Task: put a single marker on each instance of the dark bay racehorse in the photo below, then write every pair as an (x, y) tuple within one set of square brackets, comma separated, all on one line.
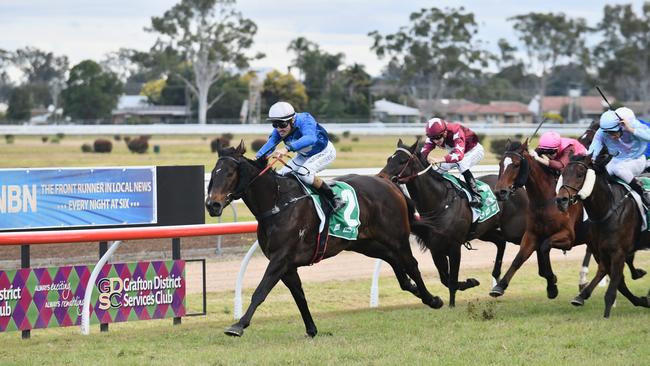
[(547, 227), (288, 227), (440, 204), (616, 224), (585, 139)]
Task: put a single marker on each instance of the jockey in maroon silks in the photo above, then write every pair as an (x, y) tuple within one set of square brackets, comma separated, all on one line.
[(464, 151), (554, 150)]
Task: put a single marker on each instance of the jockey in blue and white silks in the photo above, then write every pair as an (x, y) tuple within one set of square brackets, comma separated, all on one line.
[(626, 139), (301, 134)]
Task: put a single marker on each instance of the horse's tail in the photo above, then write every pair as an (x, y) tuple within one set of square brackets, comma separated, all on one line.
[(424, 231)]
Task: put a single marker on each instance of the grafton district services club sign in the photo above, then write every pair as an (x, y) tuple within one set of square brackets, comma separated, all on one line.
[(53, 297)]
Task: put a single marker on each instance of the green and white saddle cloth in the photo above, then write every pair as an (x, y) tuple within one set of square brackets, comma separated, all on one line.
[(490, 205), (343, 223)]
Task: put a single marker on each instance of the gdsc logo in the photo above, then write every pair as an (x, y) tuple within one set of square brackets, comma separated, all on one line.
[(110, 293)]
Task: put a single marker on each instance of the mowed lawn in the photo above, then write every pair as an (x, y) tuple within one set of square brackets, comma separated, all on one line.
[(521, 328)]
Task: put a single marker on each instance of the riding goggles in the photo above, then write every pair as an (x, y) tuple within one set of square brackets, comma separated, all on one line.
[(280, 124), (542, 151), (613, 132), (438, 136)]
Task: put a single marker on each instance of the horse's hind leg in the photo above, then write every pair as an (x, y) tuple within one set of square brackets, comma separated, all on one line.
[(635, 300), (293, 283), (442, 265), (498, 240), (586, 291), (545, 270), (616, 263), (636, 272), (582, 282), (410, 265), (275, 270)]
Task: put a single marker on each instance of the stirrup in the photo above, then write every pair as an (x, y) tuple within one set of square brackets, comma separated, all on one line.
[(337, 203)]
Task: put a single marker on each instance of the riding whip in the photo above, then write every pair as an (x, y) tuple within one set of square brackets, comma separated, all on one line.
[(607, 101)]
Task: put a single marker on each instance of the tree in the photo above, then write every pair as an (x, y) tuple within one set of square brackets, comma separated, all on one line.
[(283, 87), (436, 50), (622, 57), (20, 105), (91, 92), (209, 36), (301, 45), (318, 68), (44, 71), (356, 82), (548, 39)]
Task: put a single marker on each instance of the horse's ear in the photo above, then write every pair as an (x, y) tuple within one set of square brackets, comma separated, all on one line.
[(525, 144), (399, 142), (241, 149), (508, 142)]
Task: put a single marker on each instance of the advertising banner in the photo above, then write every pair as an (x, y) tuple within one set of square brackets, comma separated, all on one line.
[(77, 197), (53, 297)]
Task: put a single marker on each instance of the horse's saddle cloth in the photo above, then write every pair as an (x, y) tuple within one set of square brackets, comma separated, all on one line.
[(343, 223), (645, 182), (490, 206)]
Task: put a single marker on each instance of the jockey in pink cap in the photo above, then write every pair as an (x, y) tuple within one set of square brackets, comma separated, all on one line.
[(463, 146), (554, 150)]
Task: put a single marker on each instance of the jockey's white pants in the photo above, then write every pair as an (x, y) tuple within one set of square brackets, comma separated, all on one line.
[(306, 168), (470, 159), (626, 169)]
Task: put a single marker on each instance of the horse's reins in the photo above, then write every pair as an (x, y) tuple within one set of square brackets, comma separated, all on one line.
[(401, 179), (575, 197)]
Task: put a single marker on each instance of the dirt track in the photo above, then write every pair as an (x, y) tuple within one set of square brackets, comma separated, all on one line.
[(222, 274)]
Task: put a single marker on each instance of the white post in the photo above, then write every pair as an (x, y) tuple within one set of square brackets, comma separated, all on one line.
[(240, 279), (85, 314), (374, 288)]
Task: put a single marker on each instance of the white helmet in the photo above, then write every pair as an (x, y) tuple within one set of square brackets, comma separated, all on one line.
[(626, 114), (281, 111)]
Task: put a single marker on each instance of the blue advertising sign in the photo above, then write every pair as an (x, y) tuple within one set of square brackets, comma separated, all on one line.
[(77, 197)]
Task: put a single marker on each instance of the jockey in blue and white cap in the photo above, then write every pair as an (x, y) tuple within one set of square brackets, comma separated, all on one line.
[(301, 134), (626, 139)]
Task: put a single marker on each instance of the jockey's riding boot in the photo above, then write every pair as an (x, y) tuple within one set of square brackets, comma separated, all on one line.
[(636, 185), (334, 201), (471, 182)]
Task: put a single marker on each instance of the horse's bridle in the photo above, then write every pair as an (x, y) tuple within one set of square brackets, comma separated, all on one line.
[(575, 197), (520, 180), (241, 188), (399, 178)]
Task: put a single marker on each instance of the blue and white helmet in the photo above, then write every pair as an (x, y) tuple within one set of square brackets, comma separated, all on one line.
[(609, 121)]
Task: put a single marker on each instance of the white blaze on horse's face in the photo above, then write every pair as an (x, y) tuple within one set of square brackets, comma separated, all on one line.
[(506, 161)]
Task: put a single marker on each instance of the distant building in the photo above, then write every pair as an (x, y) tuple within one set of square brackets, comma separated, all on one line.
[(443, 108), (591, 107), (390, 112), (494, 112), (137, 109)]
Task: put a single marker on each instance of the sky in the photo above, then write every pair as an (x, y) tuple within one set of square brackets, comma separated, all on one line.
[(89, 29)]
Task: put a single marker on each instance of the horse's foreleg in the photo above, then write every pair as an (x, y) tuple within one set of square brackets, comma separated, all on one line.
[(526, 248), (293, 283), (454, 269), (617, 262), (546, 270), (442, 265), (498, 240), (582, 282), (635, 300), (636, 272), (275, 270), (410, 265), (586, 291)]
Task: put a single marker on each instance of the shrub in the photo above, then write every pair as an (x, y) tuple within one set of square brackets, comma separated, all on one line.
[(257, 144), (138, 145), (44, 139), (102, 146), (9, 139), (346, 134), (60, 135), (227, 135), (127, 139), (346, 148), (219, 141), (86, 148), (355, 139), (334, 138), (519, 136), (498, 146), (117, 137), (54, 140)]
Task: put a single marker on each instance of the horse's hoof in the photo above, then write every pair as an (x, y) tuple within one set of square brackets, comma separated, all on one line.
[(311, 333), (472, 282), (497, 291), (437, 302), (551, 292), (235, 331), (578, 301), (638, 273)]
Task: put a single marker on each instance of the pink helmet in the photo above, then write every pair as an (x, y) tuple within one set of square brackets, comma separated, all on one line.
[(550, 140), (435, 127)]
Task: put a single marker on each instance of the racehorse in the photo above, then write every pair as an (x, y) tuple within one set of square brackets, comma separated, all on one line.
[(616, 224), (585, 139), (547, 227), (439, 203), (288, 227)]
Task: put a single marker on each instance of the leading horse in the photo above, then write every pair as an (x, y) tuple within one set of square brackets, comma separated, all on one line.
[(440, 204), (616, 219), (288, 226), (547, 227)]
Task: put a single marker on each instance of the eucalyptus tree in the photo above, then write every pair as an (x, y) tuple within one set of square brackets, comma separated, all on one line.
[(91, 92), (623, 56), (437, 49), (43, 71), (210, 36), (548, 39)]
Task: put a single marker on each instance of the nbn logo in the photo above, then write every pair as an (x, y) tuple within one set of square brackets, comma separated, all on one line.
[(16, 198)]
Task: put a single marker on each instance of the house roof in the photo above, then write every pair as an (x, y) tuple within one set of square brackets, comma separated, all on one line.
[(394, 109), (153, 110), (589, 104), (129, 101), (495, 107)]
